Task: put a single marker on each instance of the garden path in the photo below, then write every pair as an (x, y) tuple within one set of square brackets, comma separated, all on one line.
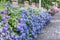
[(52, 30)]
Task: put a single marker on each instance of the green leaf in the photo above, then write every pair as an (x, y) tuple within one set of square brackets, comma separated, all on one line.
[(0, 17)]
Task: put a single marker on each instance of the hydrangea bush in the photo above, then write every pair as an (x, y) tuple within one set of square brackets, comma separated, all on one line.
[(22, 23)]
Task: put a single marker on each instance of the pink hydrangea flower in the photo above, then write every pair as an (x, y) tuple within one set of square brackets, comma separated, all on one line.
[(54, 10)]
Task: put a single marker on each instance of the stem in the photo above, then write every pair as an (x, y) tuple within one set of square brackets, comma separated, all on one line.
[(39, 4)]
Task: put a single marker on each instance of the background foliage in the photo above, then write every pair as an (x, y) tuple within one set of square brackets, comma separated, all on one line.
[(45, 3)]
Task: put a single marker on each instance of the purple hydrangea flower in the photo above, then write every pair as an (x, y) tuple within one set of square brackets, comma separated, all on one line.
[(5, 11)]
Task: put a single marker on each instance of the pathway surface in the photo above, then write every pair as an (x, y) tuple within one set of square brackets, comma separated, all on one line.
[(52, 30)]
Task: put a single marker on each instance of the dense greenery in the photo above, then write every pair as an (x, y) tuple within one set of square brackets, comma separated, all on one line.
[(46, 3)]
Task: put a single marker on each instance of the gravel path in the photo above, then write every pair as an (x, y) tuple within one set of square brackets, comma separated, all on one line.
[(52, 30)]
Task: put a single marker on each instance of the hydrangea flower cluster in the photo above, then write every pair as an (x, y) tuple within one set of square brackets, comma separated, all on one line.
[(22, 24)]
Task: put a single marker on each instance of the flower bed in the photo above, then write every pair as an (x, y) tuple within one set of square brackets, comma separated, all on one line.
[(21, 23)]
